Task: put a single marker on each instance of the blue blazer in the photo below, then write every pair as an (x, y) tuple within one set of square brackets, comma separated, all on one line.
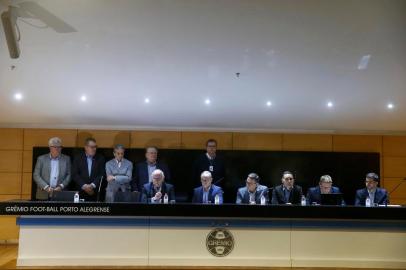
[(213, 191), (381, 196), (313, 195), (141, 176), (148, 192)]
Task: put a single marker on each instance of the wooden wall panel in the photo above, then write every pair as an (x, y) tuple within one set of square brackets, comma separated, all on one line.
[(104, 138), (11, 161), (9, 197), (357, 143), (257, 141), (307, 142), (10, 183), (394, 167), (396, 187), (197, 140), (27, 161), (11, 139), (8, 228), (160, 139), (40, 137), (26, 184), (394, 146)]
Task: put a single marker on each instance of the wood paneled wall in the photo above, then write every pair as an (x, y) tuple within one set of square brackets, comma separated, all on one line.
[(16, 153)]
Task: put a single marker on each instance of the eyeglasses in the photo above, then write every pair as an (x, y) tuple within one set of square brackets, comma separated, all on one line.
[(56, 147), (92, 146)]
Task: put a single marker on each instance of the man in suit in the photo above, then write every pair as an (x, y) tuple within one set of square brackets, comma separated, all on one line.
[(211, 162), (377, 195), (87, 170), (143, 170), (325, 187), (207, 192), (118, 173), (288, 192), (154, 192), (52, 171), (252, 192)]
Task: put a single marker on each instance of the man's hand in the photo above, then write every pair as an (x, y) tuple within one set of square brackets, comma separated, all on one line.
[(58, 188), (110, 178), (49, 190), (157, 196), (88, 189)]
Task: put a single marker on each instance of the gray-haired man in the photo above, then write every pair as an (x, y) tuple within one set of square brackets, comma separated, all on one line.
[(52, 171)]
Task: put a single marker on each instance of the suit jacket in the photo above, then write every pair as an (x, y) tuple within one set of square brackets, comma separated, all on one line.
[(213, 191), (243, 196), (141, 176), (80, 174), (381, 196), (123, 176), (278, 196), (42, 173), (313, 195), (148, 192)]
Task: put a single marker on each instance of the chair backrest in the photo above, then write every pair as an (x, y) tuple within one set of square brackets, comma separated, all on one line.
[(127, 196)]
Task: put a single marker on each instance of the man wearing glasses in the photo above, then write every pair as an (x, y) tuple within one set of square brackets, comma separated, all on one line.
[(87, 170), (52, 171), (252, 192), (372, 191), (288, 192)]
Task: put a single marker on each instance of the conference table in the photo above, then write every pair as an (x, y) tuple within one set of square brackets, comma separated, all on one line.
[(182, 234)]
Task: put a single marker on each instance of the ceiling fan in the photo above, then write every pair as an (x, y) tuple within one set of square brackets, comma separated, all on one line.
[(11, 11)]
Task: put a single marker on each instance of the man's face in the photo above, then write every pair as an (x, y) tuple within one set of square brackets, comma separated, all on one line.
[(206, 181), (287, 180), (251, 184), (157, 180), (211, 148), (325, 188), (90, 148), (151, 155), (55, 150), (370, 184), (119, 154)]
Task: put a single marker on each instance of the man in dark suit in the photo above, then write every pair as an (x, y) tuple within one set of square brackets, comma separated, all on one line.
[(211, 162), (154, 192), (207, 192), (325, 187), (143, 170), (87, 170), (372, 191), (288, 192), (252, 192)]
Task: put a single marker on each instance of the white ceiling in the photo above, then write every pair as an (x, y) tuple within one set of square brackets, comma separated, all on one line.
[(297, 54)]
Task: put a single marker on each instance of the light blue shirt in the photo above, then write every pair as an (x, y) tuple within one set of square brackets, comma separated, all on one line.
[(205, 196), (371, 194), (89, 164), (151, 168), (53, 178)]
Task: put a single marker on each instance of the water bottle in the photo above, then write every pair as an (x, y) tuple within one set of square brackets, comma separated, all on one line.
[(367, 202), (76, 197), (166, 198), (303, 201), (217, 199), (263, 200)]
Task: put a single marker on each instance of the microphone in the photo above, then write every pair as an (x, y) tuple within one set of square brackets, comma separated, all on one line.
[(98, 192), (397, 186), (219, 181)]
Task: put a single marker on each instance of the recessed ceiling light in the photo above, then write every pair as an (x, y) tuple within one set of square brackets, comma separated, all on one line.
[(390, 106), (146, 100), (363, 62), (268, 103), (207, 101), (330, 104), (83, 98), (18, 96)]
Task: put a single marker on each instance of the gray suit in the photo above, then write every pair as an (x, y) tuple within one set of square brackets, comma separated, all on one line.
[(42, 173), (243, 196), (123, 176)]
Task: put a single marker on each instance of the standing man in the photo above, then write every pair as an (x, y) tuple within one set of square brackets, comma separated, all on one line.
[(87, 170), (143, 170), (209, 161), (288, 192), (252, 192), (118, 173), (207, 192), (52, 171), (372, 191), (154, 191)]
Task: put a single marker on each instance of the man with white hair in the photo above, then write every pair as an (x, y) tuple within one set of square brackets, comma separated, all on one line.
[(207, 192), (52, 171), (155, 191)]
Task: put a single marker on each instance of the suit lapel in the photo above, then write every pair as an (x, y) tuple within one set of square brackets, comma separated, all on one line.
[(246, 196)]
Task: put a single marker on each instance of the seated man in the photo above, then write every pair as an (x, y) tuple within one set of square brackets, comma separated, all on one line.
[(52, 171), (207, 192), (118, 173), (377, 195), (325, 187), (288, 192), (252, 192), (87, 170), (143, 170), (154, 192)]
